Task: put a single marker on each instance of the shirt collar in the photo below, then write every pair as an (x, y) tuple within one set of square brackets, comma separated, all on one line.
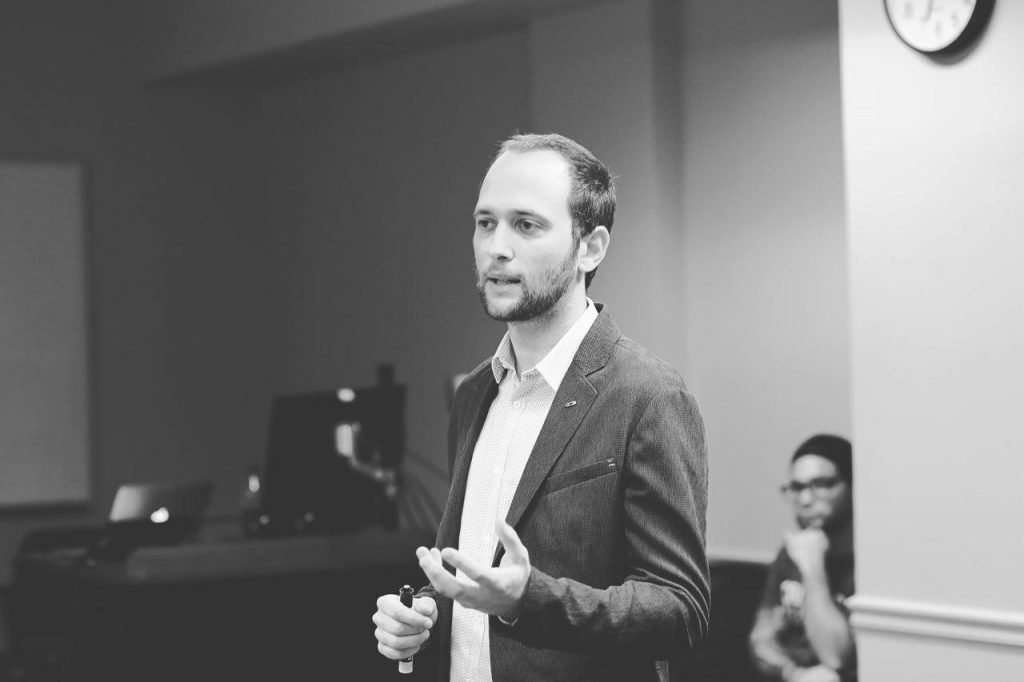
[(556, 363)]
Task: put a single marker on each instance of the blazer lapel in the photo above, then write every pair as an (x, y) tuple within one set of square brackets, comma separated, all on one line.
[(484, 389), (572, 401), (571, 404)]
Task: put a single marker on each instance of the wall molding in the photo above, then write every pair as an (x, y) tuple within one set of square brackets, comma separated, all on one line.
[(758, 556), (937, 621)]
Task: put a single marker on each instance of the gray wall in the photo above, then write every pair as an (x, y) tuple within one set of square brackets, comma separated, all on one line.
[(763, 263), (373, 175), (174, 241), (244, 240)]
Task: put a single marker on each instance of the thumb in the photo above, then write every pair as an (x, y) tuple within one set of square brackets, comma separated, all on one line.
[(514, 547), (425, 606)]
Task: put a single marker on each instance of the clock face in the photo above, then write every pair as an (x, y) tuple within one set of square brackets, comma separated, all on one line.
[(936, 25)]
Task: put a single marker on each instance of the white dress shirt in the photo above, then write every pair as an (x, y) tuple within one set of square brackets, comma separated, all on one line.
[(506, 440)]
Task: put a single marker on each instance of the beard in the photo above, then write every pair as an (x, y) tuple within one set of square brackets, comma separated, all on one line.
[(540, 292)]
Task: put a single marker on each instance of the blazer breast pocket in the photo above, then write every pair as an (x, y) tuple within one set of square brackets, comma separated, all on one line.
[(582, 474)]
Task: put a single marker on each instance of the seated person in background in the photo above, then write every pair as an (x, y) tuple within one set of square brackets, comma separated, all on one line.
[(802, 631)]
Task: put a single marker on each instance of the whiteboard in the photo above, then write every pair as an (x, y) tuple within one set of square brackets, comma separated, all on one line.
[(44, 424)]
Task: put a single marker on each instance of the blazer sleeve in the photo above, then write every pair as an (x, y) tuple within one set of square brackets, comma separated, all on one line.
[(662, 605)]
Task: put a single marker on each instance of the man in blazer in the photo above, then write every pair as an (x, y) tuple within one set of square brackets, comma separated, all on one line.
[(573, 536)]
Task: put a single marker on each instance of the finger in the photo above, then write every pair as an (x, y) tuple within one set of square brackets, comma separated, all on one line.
[(514, 547), (430, 567), (425, 605), (471, 568), (397, 643), (396, 654), (391, 605), (388, 652), (459, 587), (443, 581), (430, 561), (395, 627)]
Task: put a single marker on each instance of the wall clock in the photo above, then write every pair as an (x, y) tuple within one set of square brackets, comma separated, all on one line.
[(938, 27)]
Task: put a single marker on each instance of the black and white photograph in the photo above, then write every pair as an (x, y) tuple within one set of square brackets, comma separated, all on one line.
[(511, 340)]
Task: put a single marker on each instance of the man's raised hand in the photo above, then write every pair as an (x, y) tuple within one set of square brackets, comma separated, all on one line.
[(495, 590)]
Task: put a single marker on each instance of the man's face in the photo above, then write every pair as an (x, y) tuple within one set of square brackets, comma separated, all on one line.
[(526, 256), (820, 496)]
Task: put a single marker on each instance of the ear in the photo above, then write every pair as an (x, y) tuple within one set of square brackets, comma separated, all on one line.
[(593, 248)]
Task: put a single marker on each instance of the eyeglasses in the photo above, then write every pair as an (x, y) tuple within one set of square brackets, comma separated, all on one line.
[(819, 487)]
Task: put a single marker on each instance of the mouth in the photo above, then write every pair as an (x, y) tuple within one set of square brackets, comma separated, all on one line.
[(502, 280)]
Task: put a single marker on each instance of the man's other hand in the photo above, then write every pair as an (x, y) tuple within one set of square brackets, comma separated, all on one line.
[(495, 590), (401, 630)]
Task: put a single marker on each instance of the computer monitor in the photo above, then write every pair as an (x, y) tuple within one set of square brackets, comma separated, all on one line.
[(332, 459)]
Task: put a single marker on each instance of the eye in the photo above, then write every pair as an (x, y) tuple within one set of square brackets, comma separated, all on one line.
[(485, 224), (525, 225)]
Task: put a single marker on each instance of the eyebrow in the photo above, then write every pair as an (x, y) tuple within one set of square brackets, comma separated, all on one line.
[(518, 212)]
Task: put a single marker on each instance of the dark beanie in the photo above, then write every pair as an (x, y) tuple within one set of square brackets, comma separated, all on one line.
[(833, 448)]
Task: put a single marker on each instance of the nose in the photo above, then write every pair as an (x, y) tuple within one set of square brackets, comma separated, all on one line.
[(805, 497), (498, 244)]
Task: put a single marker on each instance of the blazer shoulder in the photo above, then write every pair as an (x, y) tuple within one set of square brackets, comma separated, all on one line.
[(482, 370), (466, 387), (634, 362)]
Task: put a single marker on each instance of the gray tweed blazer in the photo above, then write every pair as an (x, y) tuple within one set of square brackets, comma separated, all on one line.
[(610, 506)]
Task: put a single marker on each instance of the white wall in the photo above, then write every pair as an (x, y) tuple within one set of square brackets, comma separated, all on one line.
[(889, 656), (934, 164)]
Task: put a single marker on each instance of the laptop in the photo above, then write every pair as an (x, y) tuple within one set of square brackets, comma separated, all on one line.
[(146, 514)]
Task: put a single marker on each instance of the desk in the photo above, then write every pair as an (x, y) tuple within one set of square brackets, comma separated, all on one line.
[(283, 609)]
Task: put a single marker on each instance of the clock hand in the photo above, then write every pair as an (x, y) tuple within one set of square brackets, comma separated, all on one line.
[(928, 14)]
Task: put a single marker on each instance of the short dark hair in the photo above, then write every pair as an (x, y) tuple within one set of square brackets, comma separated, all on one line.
[(833, 448), (592, 195)]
